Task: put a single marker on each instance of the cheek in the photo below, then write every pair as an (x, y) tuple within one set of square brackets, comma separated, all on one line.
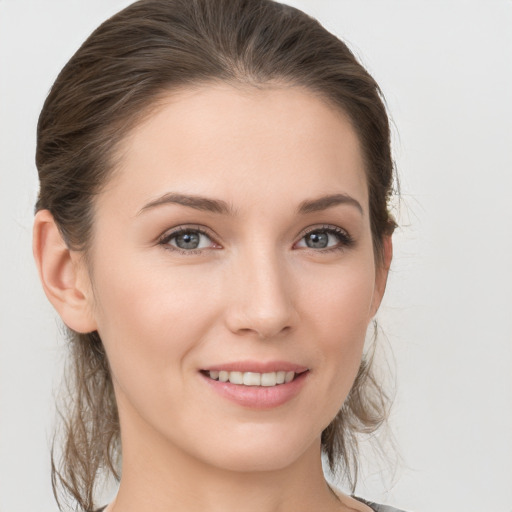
[(150, 317), (339, 312), (340, 300)]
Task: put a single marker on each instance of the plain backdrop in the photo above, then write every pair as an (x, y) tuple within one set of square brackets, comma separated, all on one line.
[(446, 70)]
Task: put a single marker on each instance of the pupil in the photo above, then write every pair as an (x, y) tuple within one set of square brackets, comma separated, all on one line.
[(187, 241), (318, 240)]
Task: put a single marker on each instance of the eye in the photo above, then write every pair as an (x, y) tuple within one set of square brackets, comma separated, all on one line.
[(187, 240), (326, 238)]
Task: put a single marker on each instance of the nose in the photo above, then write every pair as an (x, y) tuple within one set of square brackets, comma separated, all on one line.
[(261, 296)]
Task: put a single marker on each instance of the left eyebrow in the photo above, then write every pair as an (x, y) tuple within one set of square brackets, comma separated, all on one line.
[(324, 202)]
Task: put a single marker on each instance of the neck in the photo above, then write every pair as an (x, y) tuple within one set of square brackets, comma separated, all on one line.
[(159, 477)]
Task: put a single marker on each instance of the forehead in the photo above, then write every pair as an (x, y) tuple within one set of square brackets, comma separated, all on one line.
[(243, 144)]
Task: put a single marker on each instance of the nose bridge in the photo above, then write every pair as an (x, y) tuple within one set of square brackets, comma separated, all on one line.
[(261, 300)]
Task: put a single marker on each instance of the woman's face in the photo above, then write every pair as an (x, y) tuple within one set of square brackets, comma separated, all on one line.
[(233, 242)]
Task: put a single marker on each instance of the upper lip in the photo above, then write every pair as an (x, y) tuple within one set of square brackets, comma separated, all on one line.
[(257, 367)]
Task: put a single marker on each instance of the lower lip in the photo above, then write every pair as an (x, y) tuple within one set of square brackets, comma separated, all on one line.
[(258, 397)]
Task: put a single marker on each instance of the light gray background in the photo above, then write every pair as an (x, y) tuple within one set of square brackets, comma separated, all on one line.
[(446, 70)]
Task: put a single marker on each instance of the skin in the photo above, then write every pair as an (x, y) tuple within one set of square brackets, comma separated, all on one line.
[(254, 290)]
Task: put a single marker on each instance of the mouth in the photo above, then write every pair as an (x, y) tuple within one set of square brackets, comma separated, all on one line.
[(257, 385), (267, 379)]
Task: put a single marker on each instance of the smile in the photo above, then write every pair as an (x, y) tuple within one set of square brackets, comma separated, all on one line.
[(253, 378), (256, 384), (273, 385)]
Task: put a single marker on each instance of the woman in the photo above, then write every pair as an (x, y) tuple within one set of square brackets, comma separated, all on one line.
[(213, 228)]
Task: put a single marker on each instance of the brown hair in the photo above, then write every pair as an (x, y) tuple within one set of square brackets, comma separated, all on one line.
[(116, 77)]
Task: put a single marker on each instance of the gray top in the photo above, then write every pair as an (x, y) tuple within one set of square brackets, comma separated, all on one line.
[(376, 507)]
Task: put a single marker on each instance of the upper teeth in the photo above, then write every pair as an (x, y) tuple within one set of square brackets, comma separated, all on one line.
[(252, 378)]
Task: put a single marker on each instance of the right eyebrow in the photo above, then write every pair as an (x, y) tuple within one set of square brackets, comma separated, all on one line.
[(193, 201)]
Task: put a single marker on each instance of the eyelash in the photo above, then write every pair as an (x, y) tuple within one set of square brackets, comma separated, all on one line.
[(345, 240)]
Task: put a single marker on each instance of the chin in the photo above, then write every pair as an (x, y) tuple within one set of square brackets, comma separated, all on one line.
[(256, 462), (261, 451)]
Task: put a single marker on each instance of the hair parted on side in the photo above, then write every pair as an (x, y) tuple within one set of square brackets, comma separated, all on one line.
[(111, 83)]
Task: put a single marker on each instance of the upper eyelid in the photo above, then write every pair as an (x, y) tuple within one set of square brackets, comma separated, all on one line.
[(169, 233), (208, 231), (323, 227)]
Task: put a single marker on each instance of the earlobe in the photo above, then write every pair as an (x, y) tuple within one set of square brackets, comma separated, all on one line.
[(62, 275), (382, 271)]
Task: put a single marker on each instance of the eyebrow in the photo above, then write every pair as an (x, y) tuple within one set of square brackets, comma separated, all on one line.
[(325, 202), (193, 201), (221, 207)]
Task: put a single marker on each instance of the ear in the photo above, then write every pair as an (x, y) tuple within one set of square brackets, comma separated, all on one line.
[(381, 274), (63, 275)]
